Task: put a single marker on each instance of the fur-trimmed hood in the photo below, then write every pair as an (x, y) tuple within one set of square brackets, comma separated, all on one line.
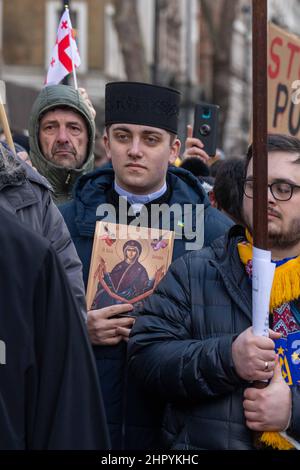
[(11, 170)]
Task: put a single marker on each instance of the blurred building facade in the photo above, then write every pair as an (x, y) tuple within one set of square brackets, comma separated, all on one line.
[(286, 14), (28, 32), (178, 50)]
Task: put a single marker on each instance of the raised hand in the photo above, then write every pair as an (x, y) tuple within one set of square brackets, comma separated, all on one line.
[(194, 147), (85, 96)]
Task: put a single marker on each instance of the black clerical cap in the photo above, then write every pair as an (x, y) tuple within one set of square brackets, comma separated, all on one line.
[(143, 104)]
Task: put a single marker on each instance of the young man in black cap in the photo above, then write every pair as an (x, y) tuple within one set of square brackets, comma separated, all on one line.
[(141, 142)]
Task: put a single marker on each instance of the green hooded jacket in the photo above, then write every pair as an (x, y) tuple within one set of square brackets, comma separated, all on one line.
[(62, 179)]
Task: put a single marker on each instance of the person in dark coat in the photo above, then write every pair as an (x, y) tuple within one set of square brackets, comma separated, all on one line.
[(193, 343), (27, 195), (141, 142), (49, 391)]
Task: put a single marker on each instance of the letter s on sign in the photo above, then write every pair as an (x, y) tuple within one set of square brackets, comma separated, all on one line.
[(277, 41)]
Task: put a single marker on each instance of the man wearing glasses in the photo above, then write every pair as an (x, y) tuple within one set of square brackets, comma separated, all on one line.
[(193, 342)]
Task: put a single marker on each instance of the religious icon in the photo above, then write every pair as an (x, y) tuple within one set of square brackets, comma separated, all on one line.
[(131, 268)]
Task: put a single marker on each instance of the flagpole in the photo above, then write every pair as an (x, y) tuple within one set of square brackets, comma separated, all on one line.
[(260, 124), (72, 57), (65, 80), (260, 162)]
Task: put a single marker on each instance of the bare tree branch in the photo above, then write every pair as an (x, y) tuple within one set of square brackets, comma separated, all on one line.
[(131, 41), (205, 6), (219, 16)]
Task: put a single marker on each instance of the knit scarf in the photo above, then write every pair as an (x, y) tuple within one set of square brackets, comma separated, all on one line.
[(285, 288)]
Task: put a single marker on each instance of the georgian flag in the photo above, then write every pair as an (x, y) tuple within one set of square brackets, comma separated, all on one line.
[(64, 53)]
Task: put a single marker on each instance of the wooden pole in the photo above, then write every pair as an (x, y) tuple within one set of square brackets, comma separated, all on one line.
[(260, 129), (6, 128), (260, 122)]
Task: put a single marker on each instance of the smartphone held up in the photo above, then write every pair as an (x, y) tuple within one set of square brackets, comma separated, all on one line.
[(206, 124)]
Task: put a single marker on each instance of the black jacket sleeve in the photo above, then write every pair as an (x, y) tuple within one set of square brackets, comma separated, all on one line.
[(64, 405), (294, 428), (164, 353)]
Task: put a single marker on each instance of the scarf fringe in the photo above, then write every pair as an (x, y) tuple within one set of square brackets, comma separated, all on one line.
[(286, 283), (275, 440), (285, 288)]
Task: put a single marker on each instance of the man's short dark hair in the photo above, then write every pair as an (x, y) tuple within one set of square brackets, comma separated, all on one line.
[(214, 167), (195, 166), (228, 187), (277, 143)]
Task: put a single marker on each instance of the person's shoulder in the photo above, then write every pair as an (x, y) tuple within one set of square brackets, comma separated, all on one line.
[(193, 261), (216, 224), (218, 217), (216, 249), (93, 183), (33, 176), (204, 254), (196, 262), (68, 210), (21, 237), (183, 175), (186, 188)]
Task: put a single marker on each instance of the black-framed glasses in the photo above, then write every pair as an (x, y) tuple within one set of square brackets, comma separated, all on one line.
[(280, 190)]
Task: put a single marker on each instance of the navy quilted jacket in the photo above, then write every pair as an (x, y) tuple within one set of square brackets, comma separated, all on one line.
[(180, 349)]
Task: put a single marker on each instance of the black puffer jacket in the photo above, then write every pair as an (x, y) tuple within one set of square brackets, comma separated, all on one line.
[(180, 348)]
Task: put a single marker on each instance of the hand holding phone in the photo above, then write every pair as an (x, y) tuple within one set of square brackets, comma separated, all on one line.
[(194, 147), (206, 123)]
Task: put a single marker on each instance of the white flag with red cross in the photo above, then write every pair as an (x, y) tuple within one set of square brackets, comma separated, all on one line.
[(65, 56)]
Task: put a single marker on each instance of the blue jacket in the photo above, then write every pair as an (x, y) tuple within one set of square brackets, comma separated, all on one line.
[(133, 416)]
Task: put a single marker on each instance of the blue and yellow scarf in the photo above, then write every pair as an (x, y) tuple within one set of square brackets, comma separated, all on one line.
[(285, 292)]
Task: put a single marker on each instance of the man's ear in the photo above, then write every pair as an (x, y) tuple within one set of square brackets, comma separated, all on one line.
[(106, 145), (175, 150)]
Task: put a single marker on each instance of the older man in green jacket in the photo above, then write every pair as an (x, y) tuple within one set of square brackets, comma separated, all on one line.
[(61, 136)]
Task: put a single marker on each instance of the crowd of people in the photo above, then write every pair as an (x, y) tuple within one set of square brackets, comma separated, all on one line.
[(178, 370)]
